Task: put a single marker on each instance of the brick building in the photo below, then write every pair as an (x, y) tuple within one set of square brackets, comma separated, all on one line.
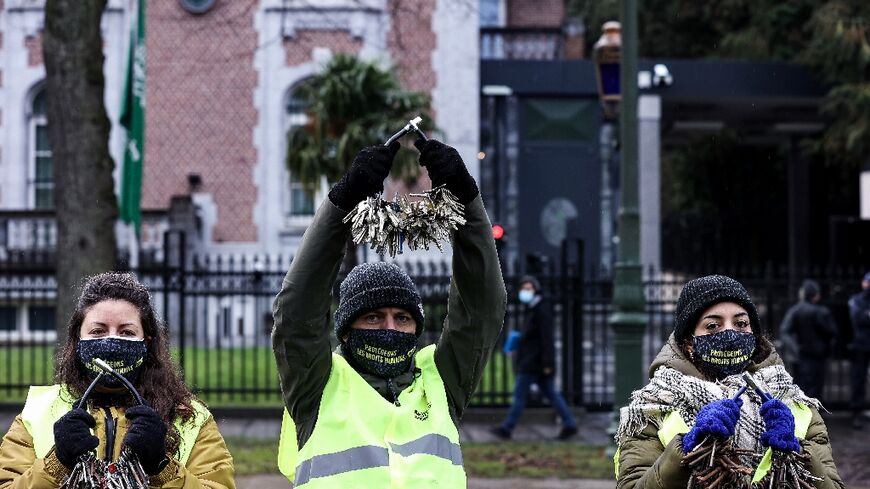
[(219, 102)]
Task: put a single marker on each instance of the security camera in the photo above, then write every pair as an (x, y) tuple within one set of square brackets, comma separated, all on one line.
[(662, 76)]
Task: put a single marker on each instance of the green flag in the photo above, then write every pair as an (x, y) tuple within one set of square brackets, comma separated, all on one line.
[(133, 119)]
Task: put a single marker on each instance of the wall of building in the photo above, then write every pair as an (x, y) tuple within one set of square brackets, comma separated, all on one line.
[(217, 86), (21, 76), (535, 13)]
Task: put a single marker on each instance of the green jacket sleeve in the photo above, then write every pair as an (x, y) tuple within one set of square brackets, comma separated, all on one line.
[(817, 445), (475, 309), (300, 337), (645, 464)]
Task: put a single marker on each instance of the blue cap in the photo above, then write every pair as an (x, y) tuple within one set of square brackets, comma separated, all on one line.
[(867, 276)]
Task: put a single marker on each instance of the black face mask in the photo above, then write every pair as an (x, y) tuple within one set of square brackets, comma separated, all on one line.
[(124, 355), (386, 353), (725, 353)]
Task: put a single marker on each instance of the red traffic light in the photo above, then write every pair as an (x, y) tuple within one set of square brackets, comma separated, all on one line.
[(497, 232)]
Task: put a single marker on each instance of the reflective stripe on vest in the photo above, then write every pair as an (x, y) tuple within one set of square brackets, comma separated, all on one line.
[(674, 425), (47, 403), (362, 440)]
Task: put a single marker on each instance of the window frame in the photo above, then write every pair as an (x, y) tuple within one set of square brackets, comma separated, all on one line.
[(35, 120), (289, 120)]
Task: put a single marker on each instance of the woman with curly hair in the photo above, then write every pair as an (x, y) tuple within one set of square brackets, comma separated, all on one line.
[(172, 434), (698, 419)]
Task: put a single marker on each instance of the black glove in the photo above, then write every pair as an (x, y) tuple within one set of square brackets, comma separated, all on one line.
[(72, 436), (147, 438), (365, 177), (446, 167)]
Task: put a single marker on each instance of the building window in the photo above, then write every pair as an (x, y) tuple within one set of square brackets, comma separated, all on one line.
[(41, 318), (491, 13), (8, 318), (41, 181), (301, 203)]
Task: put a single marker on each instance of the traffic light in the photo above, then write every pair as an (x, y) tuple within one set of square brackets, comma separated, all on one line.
[(498, 236), (497, 232)]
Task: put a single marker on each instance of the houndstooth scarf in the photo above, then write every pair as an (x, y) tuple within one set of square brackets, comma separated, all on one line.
[(670, 390)]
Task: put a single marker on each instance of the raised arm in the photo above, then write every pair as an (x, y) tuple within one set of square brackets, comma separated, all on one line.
[(300, 338), (475, 308)]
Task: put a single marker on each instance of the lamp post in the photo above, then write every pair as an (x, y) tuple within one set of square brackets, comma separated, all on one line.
[(628, 320), (606, 54)]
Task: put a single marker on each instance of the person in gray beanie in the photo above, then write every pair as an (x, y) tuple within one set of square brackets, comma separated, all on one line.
[(379, 410), (696, 395)]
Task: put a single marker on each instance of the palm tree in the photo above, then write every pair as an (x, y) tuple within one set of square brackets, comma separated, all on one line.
[(351, 104)]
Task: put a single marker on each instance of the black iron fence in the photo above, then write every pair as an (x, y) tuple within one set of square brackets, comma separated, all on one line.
[(218, 309)]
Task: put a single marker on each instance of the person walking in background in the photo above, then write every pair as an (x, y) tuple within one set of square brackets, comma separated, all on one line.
[(859, 313), (536, 361), (807, 331)]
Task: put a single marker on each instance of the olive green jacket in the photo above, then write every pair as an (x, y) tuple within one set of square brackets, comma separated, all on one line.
[(645, 464), (301, 334), (209, 465)]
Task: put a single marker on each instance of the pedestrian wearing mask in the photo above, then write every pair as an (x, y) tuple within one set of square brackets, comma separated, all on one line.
[(173, 435), (378, 411), (536, 361), (693, 395)]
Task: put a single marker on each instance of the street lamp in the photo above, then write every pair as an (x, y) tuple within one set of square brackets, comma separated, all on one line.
[(628, 321), (606, 54)]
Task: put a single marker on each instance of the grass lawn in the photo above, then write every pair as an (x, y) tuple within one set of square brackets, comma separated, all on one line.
[(484, 460), (536, 460), (220, 375)]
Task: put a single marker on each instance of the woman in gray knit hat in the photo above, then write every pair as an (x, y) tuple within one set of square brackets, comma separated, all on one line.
[(694, 404), (378, 411)]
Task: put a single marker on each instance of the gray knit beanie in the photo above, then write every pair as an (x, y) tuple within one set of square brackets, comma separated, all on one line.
[(701, 293), (374, 285), (532, 280)]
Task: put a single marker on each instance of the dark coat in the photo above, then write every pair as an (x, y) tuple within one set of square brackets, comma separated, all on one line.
[(807, 331), (536, 350), (859, 312)]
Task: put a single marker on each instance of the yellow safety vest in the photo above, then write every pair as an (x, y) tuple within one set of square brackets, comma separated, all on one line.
[(47, 403), (674, 425), (361, 440)]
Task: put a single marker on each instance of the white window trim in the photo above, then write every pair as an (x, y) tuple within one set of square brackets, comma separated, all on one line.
[(294, 222), (32, 154)]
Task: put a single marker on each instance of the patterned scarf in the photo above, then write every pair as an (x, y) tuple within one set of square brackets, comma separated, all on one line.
[(670, 390)]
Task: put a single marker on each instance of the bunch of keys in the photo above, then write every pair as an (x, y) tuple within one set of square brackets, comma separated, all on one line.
[(92, 473), (387, 226)]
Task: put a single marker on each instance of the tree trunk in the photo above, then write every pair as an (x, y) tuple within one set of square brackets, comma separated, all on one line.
[(78, 132)]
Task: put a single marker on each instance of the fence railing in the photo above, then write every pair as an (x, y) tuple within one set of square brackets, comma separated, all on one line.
[(219, 313), (522, 43)]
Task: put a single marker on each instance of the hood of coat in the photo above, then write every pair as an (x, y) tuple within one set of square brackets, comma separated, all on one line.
[(672, 356)]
